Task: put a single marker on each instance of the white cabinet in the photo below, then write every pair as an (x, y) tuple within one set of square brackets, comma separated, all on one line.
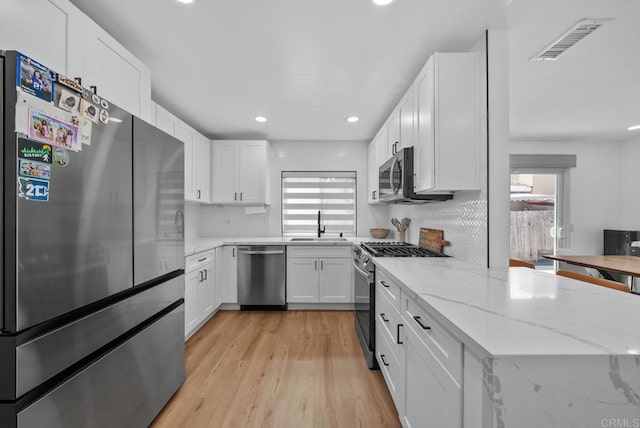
[(400, 127), (219, 277), (230, 274), (240, 173), (334, 282), (302, 280), (201, 295), (319, 274), (431, 394), (377, 155), (446, 146), (59, 35), (167, 121), (49, 31), (196, 164)]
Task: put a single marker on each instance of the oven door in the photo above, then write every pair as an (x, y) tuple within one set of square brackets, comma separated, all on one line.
[(390, 179), (364, 287)]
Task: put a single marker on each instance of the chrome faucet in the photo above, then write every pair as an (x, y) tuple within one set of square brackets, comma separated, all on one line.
[(320, 230)]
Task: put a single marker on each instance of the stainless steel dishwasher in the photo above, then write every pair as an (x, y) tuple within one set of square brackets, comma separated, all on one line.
[(262, 277)]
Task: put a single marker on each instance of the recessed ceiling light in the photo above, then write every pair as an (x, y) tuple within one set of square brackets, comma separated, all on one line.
[(353, 119), (261, 119), (382, 2), (186, 1), (633, 128)]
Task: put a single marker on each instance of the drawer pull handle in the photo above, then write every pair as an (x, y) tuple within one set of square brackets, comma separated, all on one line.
[(424, 327), (384, 284), (383, 318), (202, 259), (383, 360), (398, 335)]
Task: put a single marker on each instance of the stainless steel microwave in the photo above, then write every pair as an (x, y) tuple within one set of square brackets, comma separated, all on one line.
[(395, 181)]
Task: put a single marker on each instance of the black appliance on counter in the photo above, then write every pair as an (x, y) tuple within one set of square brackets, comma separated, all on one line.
[(365, 287), (618, 243), (87, 336)]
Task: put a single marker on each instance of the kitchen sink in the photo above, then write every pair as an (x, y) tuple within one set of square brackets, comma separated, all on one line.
[(328, 239)]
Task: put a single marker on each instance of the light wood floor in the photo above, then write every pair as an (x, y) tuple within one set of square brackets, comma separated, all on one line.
[(279, 369)]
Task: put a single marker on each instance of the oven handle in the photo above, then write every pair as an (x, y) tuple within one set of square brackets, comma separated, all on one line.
[(361, 271)]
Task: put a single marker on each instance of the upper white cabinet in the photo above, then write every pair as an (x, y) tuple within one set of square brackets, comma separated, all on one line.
[(115, 72), (377, 155), (167, 121), (240, 173), (446, 147), (400, 126), (59, 35), (49, 31), (197, 168)]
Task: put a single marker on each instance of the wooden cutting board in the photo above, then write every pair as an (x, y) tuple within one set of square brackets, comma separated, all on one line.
[(432, 239)]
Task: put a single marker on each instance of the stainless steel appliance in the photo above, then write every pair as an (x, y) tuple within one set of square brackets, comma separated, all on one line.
[(395, 181), (261, 277), (91, 304), (365, 287)]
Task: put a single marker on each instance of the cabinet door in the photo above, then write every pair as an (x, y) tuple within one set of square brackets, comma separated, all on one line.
[(118, 75), (372, 174), (393, 133), (167, 121), (302, 280), (223, 177), (186, 134), (207, 290), (336, 281), (230, 276), (201, 168), (191, 311), (49, 31), (431, 394), (252, 172), (424, 150), (406, 116), (382, 147), (219, 277)]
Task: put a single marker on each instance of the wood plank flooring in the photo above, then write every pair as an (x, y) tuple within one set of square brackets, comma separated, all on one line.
[(279, 369)]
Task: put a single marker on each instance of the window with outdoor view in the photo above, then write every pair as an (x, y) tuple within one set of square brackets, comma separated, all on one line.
[(304, 194)]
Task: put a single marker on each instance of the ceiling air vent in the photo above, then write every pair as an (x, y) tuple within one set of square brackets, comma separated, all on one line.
[(573, 35)]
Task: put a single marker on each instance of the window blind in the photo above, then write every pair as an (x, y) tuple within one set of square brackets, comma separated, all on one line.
[(306, 193)]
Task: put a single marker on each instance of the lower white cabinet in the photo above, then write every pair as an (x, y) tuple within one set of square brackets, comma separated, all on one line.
[(421, 362), (201, 295), (319, 275), (229, 274), (431, 393)]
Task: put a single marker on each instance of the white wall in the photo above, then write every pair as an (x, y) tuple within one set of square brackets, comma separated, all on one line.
[(224, 221), (595, 191), (629, 188)]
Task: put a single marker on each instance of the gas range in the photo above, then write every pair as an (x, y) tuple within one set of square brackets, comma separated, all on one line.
[(397, 249)]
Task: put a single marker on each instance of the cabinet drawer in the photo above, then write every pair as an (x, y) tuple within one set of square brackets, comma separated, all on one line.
[(444, 346), (391, 367), (198, 260), (319, 251), (387, 316), (391, 289)]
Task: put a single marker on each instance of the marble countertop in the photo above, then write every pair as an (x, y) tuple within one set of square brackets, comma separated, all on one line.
[(194, 246), (520, 311)]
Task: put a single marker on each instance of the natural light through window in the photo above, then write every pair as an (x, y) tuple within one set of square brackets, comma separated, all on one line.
[(306, 193)]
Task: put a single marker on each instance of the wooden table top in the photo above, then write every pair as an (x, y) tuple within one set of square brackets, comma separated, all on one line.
[(629, 265)]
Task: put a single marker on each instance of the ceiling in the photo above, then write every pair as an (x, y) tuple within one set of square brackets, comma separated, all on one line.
[(308, 65), (592, 91)]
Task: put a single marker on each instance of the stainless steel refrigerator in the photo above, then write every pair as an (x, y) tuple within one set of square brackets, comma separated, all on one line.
[(92, 293)]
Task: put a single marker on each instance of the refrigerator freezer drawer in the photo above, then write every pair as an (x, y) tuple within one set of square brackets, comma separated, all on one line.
[(45, 356), (126, 388)]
